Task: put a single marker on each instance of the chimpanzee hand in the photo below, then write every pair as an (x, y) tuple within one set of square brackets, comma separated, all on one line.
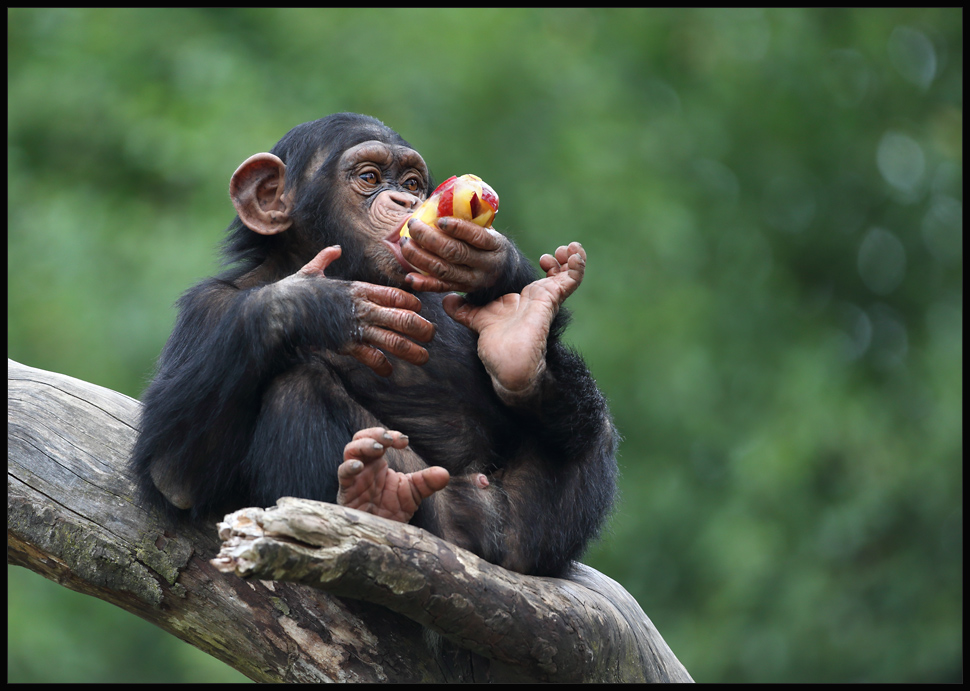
[(368, 484), (386, 319), (456, 254), (513, 329)]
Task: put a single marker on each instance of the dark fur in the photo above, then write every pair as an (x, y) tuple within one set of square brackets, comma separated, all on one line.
[(250, 402)]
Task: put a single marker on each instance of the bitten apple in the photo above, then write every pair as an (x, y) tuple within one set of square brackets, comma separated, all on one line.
[(468, 197)]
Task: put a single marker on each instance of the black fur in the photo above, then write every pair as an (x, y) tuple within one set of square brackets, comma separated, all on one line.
[(249, 403)]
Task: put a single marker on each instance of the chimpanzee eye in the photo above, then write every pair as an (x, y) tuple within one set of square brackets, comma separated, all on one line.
[(412, 185), (370, 177)]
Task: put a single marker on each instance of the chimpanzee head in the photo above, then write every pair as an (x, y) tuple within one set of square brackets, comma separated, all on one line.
[(346, 179)]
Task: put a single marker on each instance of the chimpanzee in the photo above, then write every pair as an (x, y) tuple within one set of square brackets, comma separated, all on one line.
[(331, 361)]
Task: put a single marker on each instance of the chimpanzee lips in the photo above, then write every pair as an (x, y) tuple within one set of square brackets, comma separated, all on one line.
[(393, 242)]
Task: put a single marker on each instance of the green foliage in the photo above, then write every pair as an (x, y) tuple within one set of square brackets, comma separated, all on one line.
[(772, 205)]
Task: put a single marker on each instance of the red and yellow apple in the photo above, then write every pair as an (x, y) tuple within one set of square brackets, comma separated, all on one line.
[(468, 197)]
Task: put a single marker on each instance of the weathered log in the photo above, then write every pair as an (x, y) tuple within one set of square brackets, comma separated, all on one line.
[(401, 605)]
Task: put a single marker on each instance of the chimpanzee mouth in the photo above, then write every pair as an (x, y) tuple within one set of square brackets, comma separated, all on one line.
[(393, 242)]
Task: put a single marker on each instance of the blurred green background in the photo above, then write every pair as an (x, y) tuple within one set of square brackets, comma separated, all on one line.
[(772, 206)]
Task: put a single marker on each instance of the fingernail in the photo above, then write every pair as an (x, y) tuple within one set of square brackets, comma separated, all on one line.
[(378, 445), (356, 465), (387, 435)]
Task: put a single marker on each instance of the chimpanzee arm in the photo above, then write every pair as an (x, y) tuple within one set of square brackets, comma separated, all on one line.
[(228, 344), (200, 410)]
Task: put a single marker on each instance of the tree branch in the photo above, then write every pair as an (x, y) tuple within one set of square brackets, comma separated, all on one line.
[(423, 610)]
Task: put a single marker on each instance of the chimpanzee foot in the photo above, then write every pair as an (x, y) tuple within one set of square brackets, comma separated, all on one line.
[(367, 483)]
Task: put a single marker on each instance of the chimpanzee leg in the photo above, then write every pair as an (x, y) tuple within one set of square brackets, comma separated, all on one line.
[(305, 420), (308, 426)]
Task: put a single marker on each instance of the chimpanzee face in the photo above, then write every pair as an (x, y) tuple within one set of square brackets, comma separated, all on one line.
[(379, 185)]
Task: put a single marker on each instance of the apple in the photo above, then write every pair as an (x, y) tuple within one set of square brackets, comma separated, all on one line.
[(466, 196)]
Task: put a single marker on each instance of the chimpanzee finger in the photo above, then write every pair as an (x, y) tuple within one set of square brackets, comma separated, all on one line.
[(487, 239), (576, 261), (460, 310), (358, 455), (420, 257), (567, 257), (427, 245), (404, 322), (428, 481), (456, 275), (394, 344), (371, 357), (347, 471), (387, 437), (563, 253), (428, 284), (386, 296), (365, 450), (392, 309), (457, 241), (420, 283), (549, 264), (324, 258)]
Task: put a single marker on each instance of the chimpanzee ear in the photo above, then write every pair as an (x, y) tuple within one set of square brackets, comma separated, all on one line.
[(256, 189)]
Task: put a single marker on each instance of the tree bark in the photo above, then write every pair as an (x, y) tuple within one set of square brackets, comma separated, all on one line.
[(327, 593)]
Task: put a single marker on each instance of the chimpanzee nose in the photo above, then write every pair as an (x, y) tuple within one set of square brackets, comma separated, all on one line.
[(408, 201)]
